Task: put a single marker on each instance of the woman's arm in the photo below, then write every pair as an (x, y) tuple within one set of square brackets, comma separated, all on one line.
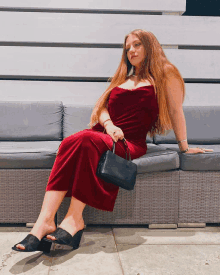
[(175, 109), (174, 105), (113, 131), (105, 116)]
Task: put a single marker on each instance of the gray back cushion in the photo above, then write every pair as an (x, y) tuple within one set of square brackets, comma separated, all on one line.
[(202, 124), (30, 120), (77, 118)]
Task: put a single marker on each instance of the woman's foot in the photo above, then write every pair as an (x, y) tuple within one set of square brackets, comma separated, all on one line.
[(40, 229), (70, 225)]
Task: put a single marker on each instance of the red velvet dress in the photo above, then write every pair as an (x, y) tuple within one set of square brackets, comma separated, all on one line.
[(74, 169)]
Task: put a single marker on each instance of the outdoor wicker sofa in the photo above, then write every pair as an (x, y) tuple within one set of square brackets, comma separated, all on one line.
[(171, 190)]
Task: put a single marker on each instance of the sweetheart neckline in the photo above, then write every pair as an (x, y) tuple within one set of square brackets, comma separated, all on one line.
[(135, 88)]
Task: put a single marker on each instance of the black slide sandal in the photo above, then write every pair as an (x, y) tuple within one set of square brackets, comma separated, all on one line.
[(32, 243), (64, 238)]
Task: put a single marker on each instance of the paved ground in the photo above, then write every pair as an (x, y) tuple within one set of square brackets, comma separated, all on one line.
[(119, 251)]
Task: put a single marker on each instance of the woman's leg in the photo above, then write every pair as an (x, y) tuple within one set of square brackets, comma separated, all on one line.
[(73, 220), (45, 223)]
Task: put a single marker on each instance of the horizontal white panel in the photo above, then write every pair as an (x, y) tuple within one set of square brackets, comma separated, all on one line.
[(106, 28), (142, 5), (89, 62), (196, 63), (204, 94), (79, 93), (87, 93)]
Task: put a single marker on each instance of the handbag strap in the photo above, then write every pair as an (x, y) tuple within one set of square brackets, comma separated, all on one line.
[(125, 142), (113, 148)]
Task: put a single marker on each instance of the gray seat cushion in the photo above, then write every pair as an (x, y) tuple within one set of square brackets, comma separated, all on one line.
[(28, 154), (157, 158), (208, 161), (30, 120), (202, 126), (77, 118)]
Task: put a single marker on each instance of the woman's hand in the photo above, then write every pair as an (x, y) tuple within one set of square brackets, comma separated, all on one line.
[(114, 132), (198, 150)]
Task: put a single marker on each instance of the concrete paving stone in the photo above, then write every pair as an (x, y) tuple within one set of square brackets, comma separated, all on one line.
[(146, 236), (14, 228), (15, 262), (97, 255), (170, 259), (7, 240), (178, 251)]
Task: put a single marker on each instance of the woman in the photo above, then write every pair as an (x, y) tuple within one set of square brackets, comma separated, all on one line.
[(145, 96)]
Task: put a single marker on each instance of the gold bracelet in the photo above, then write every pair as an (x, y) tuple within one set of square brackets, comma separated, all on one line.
[(105, 121)]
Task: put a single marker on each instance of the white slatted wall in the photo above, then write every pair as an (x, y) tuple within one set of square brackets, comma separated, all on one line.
[(66, 50)]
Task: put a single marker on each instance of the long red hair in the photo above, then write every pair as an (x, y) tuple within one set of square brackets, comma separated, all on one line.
[(156, 68)]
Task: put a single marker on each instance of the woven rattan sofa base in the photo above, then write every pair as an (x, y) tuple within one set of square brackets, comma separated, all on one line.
[(199, 198), (154, 200), (21, 194)]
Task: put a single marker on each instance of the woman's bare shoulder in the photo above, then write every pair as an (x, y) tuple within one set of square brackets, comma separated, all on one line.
[(170, 71)]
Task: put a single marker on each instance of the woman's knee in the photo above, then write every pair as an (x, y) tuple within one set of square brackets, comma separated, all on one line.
[(73, 137), (68, 141), (87, 137), (82, 136)]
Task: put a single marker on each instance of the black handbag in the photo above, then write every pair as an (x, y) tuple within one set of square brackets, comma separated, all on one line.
[(117, 170)]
